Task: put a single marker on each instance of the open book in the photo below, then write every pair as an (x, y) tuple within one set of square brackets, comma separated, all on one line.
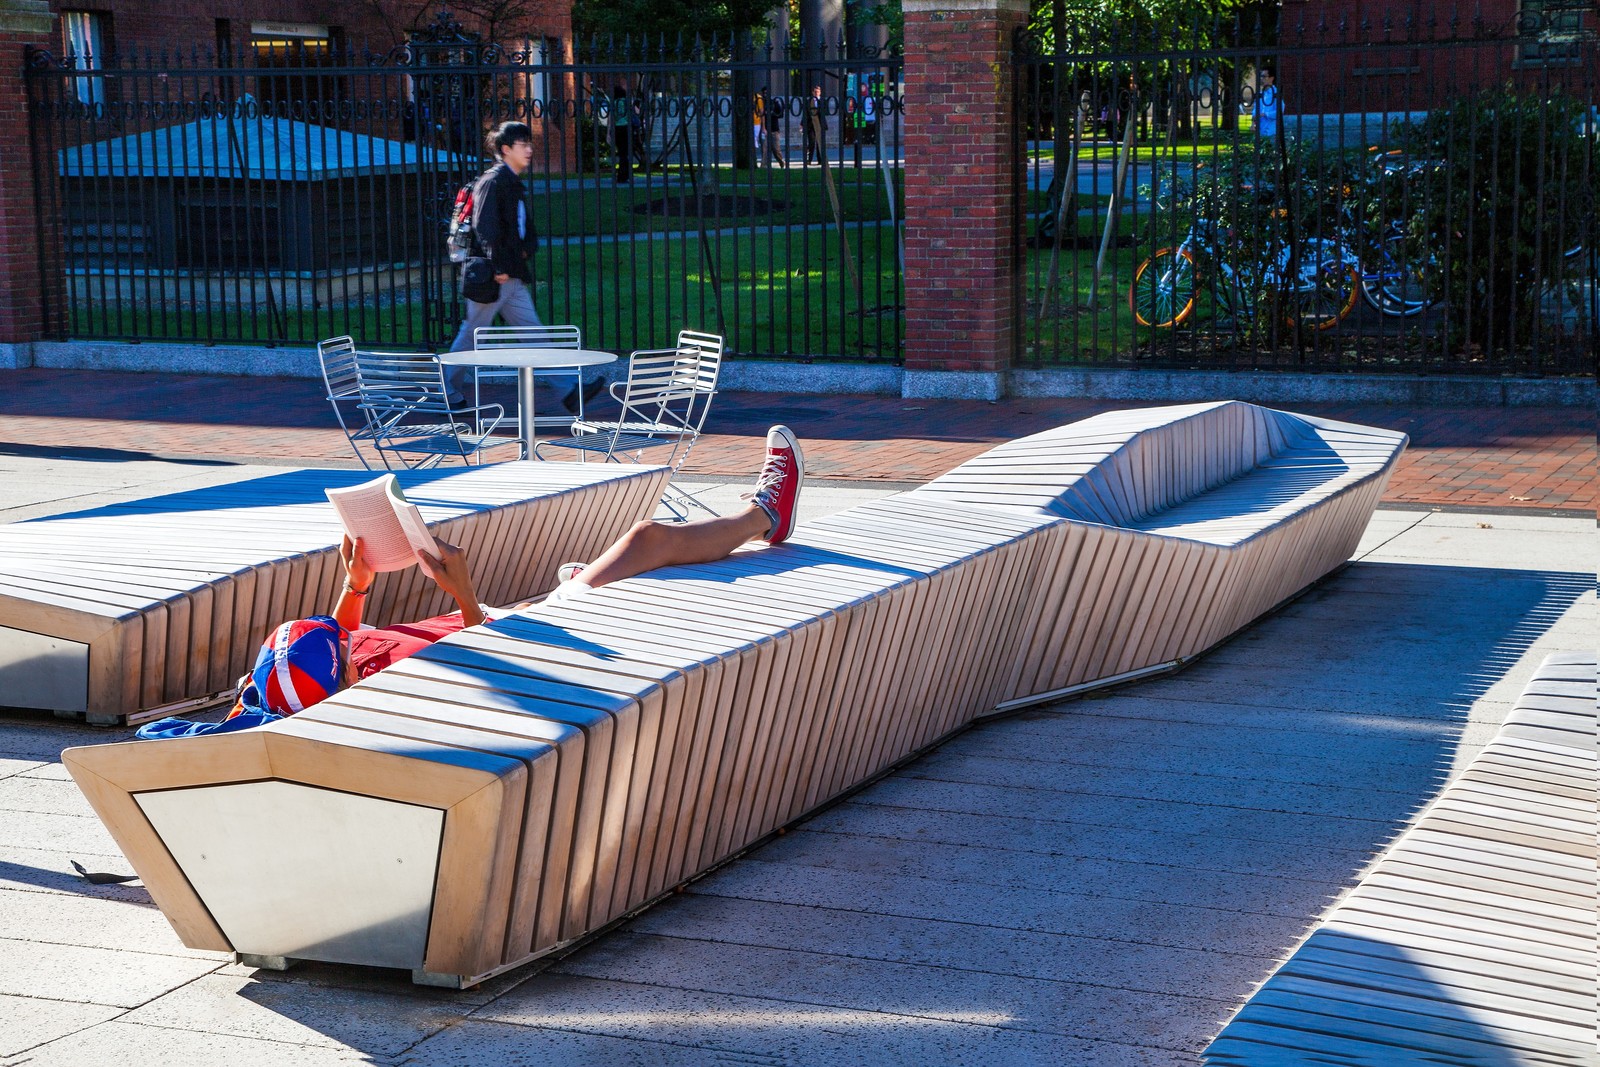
[(390, 527)]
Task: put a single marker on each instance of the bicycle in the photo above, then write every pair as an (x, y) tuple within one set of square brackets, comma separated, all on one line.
[(1393, 281), (1321, 293)]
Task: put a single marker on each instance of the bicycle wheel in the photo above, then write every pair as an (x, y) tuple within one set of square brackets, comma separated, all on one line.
[(1327, 289), (1402, 289), (1163, 290)]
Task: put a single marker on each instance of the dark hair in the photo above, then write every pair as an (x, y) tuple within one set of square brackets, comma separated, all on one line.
[(506, 134), (1269, 70)]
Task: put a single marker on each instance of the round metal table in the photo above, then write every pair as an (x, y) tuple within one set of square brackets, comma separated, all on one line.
[(528, 361)]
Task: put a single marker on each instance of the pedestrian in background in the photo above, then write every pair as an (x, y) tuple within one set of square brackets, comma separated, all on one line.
[(621, 118), (503, 235), (758, 114), (816, 125), (1269, 103), (776, 129)]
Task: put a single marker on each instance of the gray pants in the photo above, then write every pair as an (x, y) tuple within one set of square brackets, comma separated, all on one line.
[(515, 306)]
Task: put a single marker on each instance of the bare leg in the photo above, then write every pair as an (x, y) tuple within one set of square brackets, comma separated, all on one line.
[(659, 544)]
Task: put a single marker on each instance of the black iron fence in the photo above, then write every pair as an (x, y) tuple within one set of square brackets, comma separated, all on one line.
[(277, 200), (1416, 196)]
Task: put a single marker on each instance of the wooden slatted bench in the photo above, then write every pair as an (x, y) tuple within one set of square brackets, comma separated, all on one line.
[(129, 611), (1188, 523), (1472, 941), (539, 777)]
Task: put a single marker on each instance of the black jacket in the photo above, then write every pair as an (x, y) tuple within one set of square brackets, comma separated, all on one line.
[(500, 222)]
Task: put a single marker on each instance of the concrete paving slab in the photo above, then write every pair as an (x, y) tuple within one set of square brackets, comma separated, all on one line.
[(22, 792), (1565, 544), (583, 1022), (1066, 863), (1385, 527), (31, 870), (53, 772), (375, 1023), (40, 736), (1308, 830), (125, 1043), (967, 944), (1279, 792), (118, 977), (46, 485), (62, 835), (28, 1021), (92, 922), (902, 989), (1067, 911), (1121, 742), (1500, 520), (1177, 847), (9, 767)]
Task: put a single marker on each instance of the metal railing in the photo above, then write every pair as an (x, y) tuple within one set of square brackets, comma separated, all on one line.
[(267, 199), (1424, 202)]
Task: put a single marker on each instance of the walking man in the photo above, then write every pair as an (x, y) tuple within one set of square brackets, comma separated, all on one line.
[(503, 234)]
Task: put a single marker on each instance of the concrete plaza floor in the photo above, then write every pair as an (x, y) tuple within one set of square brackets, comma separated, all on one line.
[(1097, 883)]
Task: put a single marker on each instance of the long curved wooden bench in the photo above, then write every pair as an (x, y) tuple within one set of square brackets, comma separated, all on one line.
[(130, 611), (1185, 527), (529, 781), (1472, 941)]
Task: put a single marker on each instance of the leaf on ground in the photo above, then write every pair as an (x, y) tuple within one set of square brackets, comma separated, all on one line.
[(100, 877)]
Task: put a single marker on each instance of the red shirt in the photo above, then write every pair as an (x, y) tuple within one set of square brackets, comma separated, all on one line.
[(374, 650)]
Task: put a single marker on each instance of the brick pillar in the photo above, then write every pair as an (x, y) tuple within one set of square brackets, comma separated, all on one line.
[(22, 22), (960, 244)]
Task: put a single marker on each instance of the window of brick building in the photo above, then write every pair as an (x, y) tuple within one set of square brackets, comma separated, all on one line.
[(544, 85), (1549, 30), (86, 38), (300, 51)]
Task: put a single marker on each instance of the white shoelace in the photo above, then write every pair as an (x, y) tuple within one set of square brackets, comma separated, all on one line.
[(772, 475)]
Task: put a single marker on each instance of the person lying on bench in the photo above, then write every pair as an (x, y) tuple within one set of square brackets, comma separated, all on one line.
[(304, 661)]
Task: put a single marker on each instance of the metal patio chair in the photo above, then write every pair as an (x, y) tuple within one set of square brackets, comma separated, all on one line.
[(406, 398), (531, 337), (338, 358), (665, 400)]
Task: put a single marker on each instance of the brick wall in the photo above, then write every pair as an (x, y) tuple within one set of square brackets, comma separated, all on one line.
[(960, 196), (22, 22)]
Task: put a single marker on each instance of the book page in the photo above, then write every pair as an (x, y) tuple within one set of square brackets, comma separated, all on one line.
[(411, 524), (369, 512)]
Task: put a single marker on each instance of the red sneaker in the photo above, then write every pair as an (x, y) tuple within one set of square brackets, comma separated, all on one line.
[(778, 487)]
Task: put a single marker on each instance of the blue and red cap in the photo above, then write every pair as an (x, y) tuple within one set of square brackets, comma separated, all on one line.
[(299, 665)]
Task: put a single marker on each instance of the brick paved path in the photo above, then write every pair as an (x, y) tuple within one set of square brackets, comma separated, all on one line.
[(1541, 459)]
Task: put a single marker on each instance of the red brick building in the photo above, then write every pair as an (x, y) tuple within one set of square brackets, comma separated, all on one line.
[(1411, 55), (274, 29)]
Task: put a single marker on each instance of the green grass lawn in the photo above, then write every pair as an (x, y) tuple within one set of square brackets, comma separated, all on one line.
[(1069, 327), (1203, 142), (775, 196), (787, 293)]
